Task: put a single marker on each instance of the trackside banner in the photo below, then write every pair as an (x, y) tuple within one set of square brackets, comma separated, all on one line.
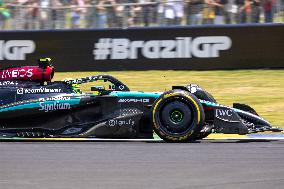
[(159, 48)]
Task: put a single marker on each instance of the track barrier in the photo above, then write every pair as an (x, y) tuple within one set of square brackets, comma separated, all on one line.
[(155, 48)]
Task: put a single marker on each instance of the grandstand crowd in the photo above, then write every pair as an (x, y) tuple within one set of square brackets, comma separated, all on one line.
[(62, 14)]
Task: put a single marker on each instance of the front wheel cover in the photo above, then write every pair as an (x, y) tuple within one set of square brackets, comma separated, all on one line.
[(176, 104)]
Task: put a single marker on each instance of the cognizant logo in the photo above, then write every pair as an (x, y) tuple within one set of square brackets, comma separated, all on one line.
[(180, 47), (16, 49)]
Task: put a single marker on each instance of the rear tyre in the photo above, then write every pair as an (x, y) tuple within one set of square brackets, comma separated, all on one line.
[(177, 116)]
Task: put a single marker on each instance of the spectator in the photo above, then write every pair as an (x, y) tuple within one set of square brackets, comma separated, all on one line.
[(101, 17), (148, 13), (4, 15), (57, 14), (154, 6), (219, 6), (44, 15), (111, 13), (194, 11), (91, 13), (160, 12), (121, 13), (256, 9), (179, 11), (169, 13), (47, 14), (241, 13), (77, 15), (135, 15), (247, 8), (20, 14), (208, 12), (230, 12), (32, 15), (268, 10)]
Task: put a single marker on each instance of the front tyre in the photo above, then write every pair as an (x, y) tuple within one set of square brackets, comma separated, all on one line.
[(177, 116)]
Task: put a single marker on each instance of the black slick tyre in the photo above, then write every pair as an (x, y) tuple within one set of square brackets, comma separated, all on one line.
[(177, 116)]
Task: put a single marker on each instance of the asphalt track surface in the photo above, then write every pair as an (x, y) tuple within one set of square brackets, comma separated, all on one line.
[(131, 165)]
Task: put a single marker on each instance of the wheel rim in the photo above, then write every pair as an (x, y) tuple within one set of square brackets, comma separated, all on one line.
[(177, 116)]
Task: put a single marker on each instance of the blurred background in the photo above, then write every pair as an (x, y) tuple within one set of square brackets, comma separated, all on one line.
[(67, 14)]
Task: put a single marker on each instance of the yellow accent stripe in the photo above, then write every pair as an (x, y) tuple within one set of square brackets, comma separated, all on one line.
[(197, 107), (225, 136)]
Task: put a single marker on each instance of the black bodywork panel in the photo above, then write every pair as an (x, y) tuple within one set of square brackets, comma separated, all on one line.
[(30, 109)]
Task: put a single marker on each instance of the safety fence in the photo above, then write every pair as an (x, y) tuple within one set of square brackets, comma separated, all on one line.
[(118, 14)]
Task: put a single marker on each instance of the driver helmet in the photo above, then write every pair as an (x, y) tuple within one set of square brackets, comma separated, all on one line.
[(44, 62)]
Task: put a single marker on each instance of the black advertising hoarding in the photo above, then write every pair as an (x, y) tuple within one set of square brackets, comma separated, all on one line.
[(172, 48)]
